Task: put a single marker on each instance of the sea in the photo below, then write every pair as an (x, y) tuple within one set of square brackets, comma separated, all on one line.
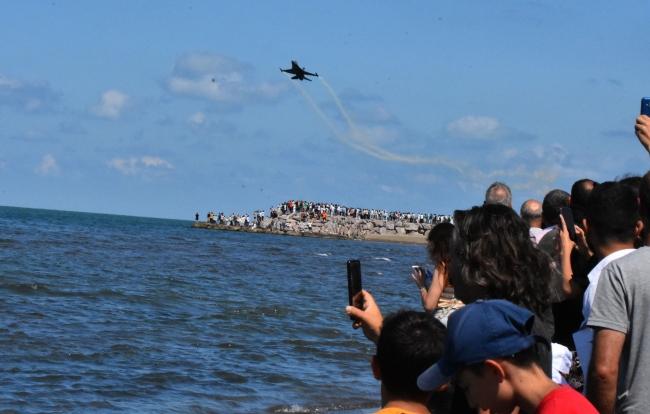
[(108, 313)]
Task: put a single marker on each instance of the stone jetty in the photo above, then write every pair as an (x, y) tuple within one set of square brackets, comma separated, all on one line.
[(335, 227)]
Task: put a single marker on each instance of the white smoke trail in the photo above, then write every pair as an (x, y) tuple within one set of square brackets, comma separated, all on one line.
[(361, 143), (380, 153), (336, 133)]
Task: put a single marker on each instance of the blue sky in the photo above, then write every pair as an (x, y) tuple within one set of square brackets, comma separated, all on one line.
[(110, 106)]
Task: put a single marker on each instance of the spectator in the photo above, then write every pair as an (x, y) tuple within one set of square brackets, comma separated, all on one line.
[(493, 257), (531, 212), (409, 343), (611, 226), (553, 202), (439, 297), (498, 193), (503, 373), (619, 372)]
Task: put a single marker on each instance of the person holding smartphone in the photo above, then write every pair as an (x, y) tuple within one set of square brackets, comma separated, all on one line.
[(439, 297)]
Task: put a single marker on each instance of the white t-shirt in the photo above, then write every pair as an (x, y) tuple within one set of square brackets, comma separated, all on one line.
[(594, 275)]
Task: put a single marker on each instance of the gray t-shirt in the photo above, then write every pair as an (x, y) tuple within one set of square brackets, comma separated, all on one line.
[(621, 304)]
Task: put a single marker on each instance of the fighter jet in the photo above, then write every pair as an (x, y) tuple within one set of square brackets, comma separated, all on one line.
[(300, 73)]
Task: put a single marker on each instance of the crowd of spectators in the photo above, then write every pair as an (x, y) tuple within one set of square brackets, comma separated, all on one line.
[(311, 210), (307, 210), (550, 312)]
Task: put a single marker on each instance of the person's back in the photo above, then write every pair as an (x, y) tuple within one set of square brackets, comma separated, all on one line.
[(619, 374)]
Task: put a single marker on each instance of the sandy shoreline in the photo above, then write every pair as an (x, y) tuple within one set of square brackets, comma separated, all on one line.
[(413, 239)]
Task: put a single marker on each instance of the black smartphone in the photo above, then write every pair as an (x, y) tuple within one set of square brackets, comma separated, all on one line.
[(568, 219), (645, 106), (354, 284)]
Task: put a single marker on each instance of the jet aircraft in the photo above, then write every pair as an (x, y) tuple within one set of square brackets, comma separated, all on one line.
[(300, 73)]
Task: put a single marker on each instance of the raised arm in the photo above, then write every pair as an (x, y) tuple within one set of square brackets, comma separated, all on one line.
[(369, 319), (642, 131), (570, 288)]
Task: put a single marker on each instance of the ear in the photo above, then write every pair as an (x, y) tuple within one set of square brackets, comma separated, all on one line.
[(495, 369), (638, 229), (376, 372), (569, 200), (585, 225)]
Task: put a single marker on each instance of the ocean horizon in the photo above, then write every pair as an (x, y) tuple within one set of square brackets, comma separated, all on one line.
[(110, 313)]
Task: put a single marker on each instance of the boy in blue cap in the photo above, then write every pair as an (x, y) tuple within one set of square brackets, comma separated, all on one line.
[(490, 353)]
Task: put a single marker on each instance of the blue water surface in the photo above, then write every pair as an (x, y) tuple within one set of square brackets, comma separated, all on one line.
[(104, 313)]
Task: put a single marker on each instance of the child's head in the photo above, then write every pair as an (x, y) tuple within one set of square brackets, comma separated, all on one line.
[(409, 343), (486, 342)]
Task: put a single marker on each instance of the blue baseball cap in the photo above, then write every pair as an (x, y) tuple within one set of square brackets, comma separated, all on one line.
[(477, 332)]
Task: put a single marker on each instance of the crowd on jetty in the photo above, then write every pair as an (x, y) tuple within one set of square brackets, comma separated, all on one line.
[(542, 311), (310, 211)]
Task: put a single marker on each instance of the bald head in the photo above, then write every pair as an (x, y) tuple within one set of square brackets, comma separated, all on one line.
[(531, 212)]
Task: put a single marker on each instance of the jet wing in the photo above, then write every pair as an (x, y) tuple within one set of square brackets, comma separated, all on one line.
[(310, 74)]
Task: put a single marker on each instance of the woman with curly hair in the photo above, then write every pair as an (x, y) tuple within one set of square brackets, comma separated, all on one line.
[(492, 257)]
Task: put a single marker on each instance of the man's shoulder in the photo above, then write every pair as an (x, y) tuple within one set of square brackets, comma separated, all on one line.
[(640, 258)]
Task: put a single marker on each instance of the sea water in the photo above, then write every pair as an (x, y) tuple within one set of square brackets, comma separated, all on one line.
[(105, 313)]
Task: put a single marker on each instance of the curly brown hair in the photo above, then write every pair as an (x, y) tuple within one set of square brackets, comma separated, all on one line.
[(497, 258)]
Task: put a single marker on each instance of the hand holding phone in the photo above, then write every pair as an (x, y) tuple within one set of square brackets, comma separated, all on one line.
[(355, 296), (567, 214), (645, 106)]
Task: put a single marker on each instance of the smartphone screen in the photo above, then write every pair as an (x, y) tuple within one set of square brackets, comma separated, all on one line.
[(568, 219), (645, 106), (354, 284)]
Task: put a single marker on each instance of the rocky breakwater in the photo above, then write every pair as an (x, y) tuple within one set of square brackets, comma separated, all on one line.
[(336, 227)]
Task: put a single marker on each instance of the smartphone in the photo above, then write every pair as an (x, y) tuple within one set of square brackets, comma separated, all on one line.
[(354, 284), (645, 106), (568, 219)]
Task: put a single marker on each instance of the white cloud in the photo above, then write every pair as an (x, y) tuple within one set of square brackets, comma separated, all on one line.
[(125, 166), (474, 127), (197, 118), (218, 78), (131, 166), (112, 104), (48, 166), (155, 162)]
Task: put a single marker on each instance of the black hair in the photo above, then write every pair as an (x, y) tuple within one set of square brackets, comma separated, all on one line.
[(553, 202), (580, 191), (612, 212), (632, 181), (409, 343), (522, 359), (498, 260), (644, 195)]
